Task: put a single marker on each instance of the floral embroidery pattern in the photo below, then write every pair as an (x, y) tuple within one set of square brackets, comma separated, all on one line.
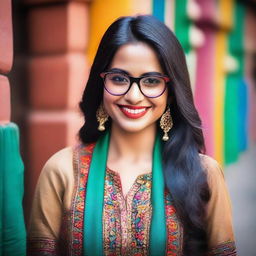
[(227, 248), (140, 211), (82, 168), (42, 247), (112, 215), (174, 228), (126, 220)]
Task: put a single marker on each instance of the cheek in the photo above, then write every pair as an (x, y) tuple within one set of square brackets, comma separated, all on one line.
[(107, 98), (162, 103), (162, 109), (106, 103), (109, 102)]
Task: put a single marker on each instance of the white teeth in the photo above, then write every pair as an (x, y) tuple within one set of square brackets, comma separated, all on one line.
[(134, 111)]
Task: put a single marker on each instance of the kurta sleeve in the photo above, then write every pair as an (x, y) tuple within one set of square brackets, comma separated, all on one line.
[(48, 205), (218, 212)]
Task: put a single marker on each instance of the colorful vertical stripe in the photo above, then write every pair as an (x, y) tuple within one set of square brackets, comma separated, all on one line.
[(159, 9), (235, 138)]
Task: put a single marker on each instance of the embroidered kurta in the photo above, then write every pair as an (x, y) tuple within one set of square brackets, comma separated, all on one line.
[(56, 226)]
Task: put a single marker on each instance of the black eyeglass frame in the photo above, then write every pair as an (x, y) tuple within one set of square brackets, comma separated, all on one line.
[(136, 80)]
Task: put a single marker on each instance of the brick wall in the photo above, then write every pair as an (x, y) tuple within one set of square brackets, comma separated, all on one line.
[(57, 72)]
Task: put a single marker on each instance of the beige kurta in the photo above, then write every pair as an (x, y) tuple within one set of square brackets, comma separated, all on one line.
[(56, 226)]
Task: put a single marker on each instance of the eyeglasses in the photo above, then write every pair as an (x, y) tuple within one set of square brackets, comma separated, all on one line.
[(151, 86)]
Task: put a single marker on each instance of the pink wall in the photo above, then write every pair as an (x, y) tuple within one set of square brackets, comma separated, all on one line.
[(6, 59), (204, 91)]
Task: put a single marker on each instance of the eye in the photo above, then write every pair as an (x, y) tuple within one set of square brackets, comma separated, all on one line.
[(118, 78), (152, 81)]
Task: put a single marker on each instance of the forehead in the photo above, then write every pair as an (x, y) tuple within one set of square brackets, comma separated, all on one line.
[(136, 58)]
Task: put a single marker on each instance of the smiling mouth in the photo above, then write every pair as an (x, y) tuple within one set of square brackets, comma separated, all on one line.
[(132, 111)]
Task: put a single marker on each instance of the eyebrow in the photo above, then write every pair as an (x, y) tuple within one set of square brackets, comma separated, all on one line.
[(119, 70)]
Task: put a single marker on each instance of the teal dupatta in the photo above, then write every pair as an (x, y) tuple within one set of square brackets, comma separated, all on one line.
[(94, 201)]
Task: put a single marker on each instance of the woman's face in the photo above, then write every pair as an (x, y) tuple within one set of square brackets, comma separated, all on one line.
[(134, 112)]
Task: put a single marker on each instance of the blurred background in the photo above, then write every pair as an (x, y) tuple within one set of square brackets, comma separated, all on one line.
[(47, 47)]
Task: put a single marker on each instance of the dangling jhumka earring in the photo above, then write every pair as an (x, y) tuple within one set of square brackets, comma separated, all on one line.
[(166, 123), (102, 117)]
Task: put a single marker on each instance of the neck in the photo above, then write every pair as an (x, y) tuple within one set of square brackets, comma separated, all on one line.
[(132, 145)]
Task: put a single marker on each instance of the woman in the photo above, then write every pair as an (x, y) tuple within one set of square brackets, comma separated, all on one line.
[(139, 183)]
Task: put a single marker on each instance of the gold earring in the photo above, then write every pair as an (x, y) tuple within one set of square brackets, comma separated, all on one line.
[(102, 117), (166, 123)]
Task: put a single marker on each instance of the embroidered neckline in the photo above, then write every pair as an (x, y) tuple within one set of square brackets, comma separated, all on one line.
[(146, 175), (140, 180)]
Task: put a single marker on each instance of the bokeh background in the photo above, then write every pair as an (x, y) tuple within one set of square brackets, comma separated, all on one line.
[(47, 47)]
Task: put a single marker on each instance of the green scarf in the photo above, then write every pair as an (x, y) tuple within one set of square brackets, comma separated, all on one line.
[(12, 225), (94, 201)]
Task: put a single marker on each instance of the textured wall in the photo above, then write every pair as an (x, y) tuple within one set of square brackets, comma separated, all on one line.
[(57, 73)]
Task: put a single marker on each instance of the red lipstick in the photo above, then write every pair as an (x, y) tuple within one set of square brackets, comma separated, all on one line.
[(133, 112)]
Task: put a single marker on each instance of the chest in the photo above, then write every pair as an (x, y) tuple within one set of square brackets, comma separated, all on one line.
[(129, 174), (126, 218)]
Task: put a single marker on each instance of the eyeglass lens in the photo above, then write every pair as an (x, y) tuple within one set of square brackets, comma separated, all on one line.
[(118, 84)]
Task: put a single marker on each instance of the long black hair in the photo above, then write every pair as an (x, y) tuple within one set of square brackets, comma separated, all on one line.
[(184, 175)]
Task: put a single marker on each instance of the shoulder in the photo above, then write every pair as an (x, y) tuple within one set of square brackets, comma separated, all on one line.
[(59, 165), (216, 181), (212, 168), (62, 162)]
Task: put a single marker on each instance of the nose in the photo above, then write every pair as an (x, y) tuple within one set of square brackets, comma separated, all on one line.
[(134, 95)]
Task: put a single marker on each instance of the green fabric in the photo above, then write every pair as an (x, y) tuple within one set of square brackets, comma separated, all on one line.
[(93, 240), (12, 227), (158, 224), (94, 200), (235, 105), (182, 24)]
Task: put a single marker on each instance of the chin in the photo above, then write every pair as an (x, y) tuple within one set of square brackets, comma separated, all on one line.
[(135, 128)]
